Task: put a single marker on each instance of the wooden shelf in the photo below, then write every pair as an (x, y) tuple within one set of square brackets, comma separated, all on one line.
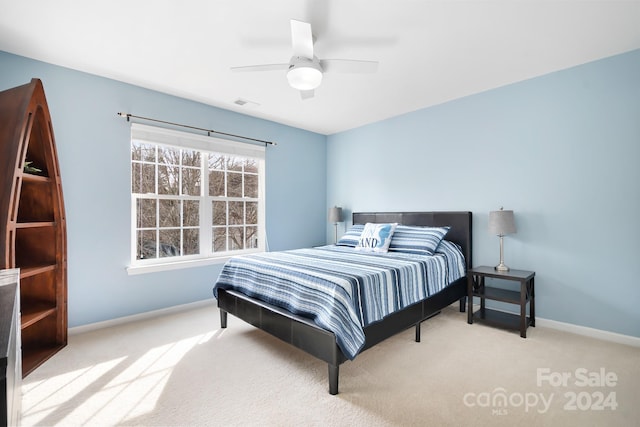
[(33, 231), (32, 271), (38, 224), (32, 357), (34, 311), (499, 319), (497, 294), (35, 178)]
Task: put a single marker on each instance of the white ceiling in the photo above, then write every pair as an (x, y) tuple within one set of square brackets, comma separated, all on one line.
[(429, 52)]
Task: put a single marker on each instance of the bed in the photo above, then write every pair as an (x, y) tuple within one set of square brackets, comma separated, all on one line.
[(303, 332)]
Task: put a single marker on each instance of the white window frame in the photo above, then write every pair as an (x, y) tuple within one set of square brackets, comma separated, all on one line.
[(172, 138)]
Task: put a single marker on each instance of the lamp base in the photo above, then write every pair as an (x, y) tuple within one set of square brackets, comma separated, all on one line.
[(501, 267)]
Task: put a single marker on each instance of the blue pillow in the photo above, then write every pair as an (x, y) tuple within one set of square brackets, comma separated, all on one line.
[(417, 240), (376, 237), (351, 237)]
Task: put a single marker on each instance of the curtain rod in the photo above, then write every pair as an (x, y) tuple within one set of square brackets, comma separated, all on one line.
[(209, 131)]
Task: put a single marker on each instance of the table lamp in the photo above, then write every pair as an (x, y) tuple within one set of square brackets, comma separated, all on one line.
[(501, 223), (335, 216)]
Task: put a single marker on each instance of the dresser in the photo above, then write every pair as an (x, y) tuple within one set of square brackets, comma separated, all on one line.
[(10, 357)]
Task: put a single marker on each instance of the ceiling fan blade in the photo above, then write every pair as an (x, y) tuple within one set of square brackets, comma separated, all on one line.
[(306, 94), (301, 39), (264, 67), (348, 66)]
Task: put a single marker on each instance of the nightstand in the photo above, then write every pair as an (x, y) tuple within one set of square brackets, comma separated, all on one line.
[(525, 294)]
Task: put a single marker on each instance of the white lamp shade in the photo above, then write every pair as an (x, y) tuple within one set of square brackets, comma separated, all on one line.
[(304, 78), (502, 222), (335, 214)]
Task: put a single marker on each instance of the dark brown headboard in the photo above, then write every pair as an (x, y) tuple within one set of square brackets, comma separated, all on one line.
[(460, 223)]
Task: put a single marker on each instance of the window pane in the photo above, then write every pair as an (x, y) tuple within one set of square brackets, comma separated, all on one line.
[(234, 164), (216, 183), (146, 213), (219, 213), (143, 178), (251, 185), (216, 161), (251, 165), (168, 179), (191, 182), (168, 155), (169, 243), (191, 244), (236, 212), (191, 213), (143, 152), (219, 239), (251, 240), (252, 213), (169, 213), (234, 186), (146, 244), (191, 158), (236, 238)]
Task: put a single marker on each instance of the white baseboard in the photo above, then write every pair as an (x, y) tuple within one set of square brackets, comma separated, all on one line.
[(578, 330), (552, 324), (589, 332), (140, 316)]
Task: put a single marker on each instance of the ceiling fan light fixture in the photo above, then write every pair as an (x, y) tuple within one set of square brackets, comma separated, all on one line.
[(304, 77)]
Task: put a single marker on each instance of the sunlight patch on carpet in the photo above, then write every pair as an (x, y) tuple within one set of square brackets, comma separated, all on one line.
[(134, 384), (59, 390)]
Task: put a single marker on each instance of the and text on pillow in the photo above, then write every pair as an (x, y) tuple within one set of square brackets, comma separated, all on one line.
[(376, 237)]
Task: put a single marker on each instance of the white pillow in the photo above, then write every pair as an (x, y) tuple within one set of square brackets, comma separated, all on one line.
[(376, 237)]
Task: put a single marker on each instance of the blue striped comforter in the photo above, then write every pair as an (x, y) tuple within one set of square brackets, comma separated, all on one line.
[(341, 289)]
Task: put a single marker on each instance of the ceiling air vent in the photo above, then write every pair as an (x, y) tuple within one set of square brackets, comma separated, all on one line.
[(245, 103)]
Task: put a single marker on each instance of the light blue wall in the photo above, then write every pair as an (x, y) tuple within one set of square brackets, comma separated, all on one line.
[(562, 151), (94, 153)]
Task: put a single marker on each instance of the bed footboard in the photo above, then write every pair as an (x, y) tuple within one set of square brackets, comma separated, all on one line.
[(295, 330), (290, 328)]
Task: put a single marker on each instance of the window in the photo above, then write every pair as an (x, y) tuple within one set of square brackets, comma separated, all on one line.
[(194, 197)]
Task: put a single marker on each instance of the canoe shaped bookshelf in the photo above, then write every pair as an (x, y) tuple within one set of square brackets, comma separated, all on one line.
[(33, 234)]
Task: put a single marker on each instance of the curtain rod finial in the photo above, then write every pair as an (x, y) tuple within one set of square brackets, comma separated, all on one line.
[(127, 115)]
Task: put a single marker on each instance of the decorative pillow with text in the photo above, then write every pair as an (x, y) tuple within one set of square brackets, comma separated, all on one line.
[(376, 237)]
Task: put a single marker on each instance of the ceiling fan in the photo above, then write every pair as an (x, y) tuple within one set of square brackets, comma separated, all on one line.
[(305, 70)]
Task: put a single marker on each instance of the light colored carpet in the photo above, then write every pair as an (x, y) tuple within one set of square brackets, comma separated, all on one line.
[(181, 369)]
